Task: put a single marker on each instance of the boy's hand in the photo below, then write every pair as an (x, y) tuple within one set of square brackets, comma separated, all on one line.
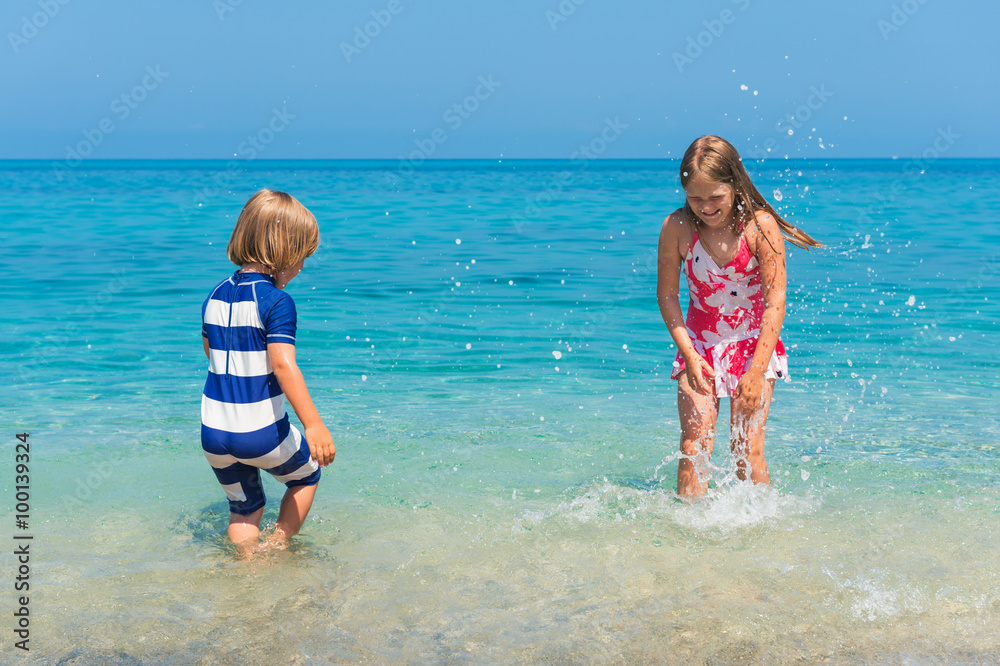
[(321, 445)]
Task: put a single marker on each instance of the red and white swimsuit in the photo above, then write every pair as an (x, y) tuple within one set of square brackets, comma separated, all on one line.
[(724, 316)]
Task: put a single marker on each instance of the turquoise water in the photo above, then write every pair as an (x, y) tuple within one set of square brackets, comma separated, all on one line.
[(490, 501)]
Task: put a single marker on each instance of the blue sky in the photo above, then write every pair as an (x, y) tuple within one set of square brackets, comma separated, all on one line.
[(472, 79)]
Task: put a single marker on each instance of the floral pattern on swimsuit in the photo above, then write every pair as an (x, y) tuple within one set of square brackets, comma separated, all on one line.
[(724, 316)]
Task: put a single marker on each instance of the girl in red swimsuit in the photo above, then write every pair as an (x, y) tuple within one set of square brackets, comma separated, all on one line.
[(730, 243)]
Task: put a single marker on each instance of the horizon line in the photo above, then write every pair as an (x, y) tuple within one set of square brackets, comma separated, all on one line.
[(466, 159)]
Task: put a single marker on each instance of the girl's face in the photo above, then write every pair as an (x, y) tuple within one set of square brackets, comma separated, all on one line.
[(282, 278), (712, 202)]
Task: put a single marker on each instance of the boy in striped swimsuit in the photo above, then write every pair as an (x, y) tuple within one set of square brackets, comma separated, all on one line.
[(248, 331)]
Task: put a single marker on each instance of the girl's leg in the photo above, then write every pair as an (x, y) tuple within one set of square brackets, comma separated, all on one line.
[(698, 414), (747, 436), (295, 507), (245, 530)]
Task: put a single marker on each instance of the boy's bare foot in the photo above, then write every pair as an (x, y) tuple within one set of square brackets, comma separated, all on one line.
[(245, 550), (276, 540)]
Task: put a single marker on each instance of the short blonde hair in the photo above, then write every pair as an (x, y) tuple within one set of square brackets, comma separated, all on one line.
[(275, 230)]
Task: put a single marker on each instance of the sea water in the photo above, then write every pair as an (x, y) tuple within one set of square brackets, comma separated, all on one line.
[(483, 341)]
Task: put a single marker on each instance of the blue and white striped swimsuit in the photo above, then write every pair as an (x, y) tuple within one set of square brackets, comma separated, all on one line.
[(244, 425)]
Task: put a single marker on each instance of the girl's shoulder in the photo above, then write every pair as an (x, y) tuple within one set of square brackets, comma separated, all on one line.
[(764, 225), (676, 218), (678, 231)]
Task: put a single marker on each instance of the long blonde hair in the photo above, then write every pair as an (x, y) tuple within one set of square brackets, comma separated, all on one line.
[(275, 230), (715, 159)]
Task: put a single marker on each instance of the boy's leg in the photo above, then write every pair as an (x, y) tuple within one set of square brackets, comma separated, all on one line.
[(295, 507), (698, 414), (244, 530), (747, 436), (244, 490)]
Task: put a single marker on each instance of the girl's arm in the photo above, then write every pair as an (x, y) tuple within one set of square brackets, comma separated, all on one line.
[(282, 356), (668, 275), (770, 251)]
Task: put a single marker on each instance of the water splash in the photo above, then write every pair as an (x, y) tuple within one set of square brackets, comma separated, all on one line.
[(738, 505), (722, 509), (875, 596)]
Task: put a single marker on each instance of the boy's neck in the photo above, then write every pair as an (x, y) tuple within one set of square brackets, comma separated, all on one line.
[(255, 268)]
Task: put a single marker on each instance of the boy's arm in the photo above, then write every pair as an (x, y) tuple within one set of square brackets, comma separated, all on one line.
[(204, 343), (282, 356)]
